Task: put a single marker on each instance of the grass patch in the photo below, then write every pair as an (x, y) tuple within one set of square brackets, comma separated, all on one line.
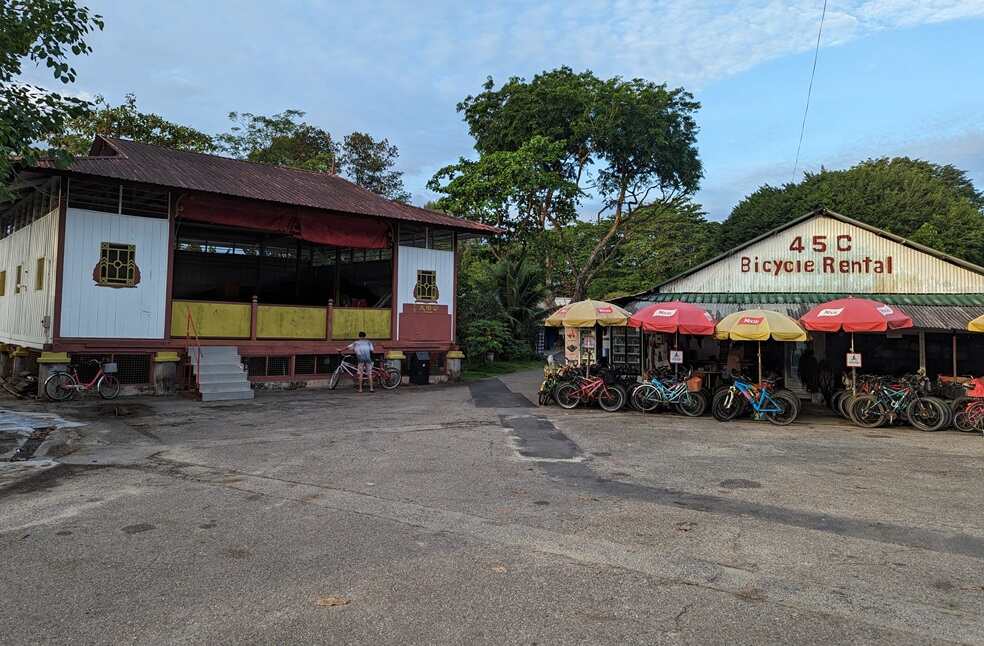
[(471, 372)]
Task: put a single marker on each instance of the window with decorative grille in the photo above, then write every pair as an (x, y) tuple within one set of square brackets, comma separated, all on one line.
[(426, 288), (117, 265)]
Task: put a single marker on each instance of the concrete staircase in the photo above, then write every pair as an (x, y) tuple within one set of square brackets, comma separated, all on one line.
[(222, 377)]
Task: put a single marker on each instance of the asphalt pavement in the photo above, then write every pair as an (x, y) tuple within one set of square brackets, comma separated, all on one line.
[(465, 514)]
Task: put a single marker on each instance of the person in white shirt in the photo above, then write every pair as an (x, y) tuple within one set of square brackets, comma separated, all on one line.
[(363, 354)]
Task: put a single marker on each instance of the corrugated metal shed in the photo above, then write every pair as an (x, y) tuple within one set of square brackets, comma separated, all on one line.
[(930, 311), (136, 162)]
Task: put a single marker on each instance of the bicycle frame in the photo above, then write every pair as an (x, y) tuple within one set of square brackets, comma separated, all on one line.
[(761, 401), (353, 370), (79, 385), (669, 392)]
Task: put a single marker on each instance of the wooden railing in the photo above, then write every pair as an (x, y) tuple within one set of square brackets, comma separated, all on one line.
[(256, 321)]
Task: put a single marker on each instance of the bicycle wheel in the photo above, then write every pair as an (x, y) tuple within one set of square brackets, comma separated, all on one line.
[(844, 405), (835, 400), (391, 378), (612, 398), (960, 403), (645, 398), (108, 387), (866, 411), (926, 414), (722, 409), (335, 376), (792, 397), (786, 401), (965, 422), (59, 386), (692, 404), (567, 395)]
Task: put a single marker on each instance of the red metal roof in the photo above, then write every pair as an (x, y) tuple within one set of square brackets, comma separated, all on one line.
[(137, 162)]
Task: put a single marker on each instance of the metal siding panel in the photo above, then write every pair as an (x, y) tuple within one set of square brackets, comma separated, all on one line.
[(22, 313), (91, 311)]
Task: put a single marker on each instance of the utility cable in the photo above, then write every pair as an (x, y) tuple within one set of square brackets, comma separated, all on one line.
[(809, 92)]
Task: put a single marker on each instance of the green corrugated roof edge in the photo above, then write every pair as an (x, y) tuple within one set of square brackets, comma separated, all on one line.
[(762, 298)]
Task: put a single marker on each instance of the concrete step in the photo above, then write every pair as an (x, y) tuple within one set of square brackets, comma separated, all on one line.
[(214, 353), (233, 396), (224, 387), (223, 379), (221, 369)]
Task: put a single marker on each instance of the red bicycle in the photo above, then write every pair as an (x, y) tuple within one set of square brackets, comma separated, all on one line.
[(571, 394), (62, 385), (388, 378)]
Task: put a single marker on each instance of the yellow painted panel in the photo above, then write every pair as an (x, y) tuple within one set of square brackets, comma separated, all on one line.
[(212, 320), (347, 322), (283, 322)]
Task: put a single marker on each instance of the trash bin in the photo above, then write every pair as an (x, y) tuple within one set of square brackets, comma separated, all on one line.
[(419, 368)]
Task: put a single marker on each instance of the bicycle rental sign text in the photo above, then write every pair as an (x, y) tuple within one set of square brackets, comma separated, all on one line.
[(818, 254)]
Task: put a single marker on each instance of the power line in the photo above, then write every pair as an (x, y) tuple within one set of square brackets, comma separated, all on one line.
[(809, 92)]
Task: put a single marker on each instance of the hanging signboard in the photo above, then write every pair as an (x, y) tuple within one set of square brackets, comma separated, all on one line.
[(588, 342), (676, 356), (572, 344), (853, 359)]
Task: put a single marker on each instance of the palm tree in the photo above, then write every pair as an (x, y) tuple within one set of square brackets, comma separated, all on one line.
[(520, 292)]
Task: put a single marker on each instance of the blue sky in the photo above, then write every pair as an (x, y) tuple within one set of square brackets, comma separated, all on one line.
[(894, 77)]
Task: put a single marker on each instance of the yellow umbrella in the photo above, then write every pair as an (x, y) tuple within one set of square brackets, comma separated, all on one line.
[(588, 313), (759, 325), (977, 325)]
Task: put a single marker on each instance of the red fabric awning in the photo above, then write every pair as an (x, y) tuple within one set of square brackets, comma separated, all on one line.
[(319, 227)]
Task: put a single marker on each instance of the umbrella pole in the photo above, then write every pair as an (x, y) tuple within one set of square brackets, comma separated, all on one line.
[(676, 346), (854, 371), (760, 362)]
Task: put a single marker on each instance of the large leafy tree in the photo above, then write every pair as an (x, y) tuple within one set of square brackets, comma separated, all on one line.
[(370, 164), (547, 145), (932, 204), (38, 32), (128, 122), (664, 243), (282, 139)]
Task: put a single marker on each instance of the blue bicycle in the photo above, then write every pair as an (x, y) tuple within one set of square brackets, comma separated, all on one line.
[(778, 406), (670, 392)]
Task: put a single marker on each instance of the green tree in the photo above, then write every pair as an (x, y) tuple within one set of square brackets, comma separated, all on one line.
[(369, 163), (546, 145), (281, 140), (520, 294), (665, 243), (929, 203), (127, 122), (38, 31)]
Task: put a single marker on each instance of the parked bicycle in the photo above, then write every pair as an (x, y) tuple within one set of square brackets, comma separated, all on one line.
[(553, 377), (65, 384), (610, 396), (968, 410), (388, 378), (669, 390), (888, 400), (780, 406)]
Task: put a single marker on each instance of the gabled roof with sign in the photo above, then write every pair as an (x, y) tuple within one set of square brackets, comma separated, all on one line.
[(958, 276)]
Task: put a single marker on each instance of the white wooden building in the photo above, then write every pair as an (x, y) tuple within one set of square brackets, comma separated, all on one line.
[(136, 252)]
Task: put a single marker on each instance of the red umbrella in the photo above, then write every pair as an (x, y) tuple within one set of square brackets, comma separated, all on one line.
[(854, 315), (673, 317)]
